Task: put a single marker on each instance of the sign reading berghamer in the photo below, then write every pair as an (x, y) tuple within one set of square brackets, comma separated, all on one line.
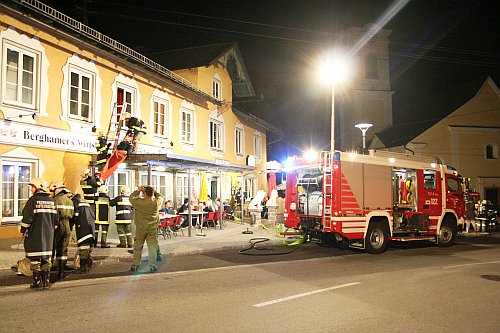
[(27, 135)]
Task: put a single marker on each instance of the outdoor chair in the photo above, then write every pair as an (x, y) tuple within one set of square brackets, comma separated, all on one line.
[(178, 223), (163, 228), (209, 220)]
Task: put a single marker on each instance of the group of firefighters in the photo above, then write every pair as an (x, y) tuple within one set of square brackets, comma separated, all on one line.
[(51, 213)]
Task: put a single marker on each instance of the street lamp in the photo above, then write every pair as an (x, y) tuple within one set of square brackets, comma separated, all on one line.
[(364, 127), (333, 69)]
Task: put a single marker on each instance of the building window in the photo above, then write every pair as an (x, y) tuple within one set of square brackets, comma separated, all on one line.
[(124, 102), (250, 188), (182, 188), (371, 67), (159, 182), (216, 134), (491, 152), (257, 144), (80, 96), (117, 179), (20, 68), (238, 141), (187, 126), (160, 120), (15, 192), (216, 88)]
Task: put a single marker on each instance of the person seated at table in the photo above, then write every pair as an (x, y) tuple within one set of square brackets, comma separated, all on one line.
[(208, 207), (168, 208), (184, 209), (216, 205)]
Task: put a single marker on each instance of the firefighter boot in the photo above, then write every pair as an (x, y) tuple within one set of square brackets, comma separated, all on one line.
[(84, 267), (37, 281), (129, 241), (45, 279), (96, 234), (104, 238), (61, 264)]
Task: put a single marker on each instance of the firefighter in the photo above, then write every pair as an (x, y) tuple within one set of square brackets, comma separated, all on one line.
[(90, 185), (37, 226), (102, 147), (62, 234), (146, 216), (123, 218), (84, 222), (102, 216)]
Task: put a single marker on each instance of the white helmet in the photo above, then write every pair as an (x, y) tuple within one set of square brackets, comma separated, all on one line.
[(58, 187), (103, 189), (86, 172), (124, 190), (39, 184)]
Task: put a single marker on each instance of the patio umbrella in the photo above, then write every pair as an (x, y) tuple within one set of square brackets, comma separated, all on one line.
[(271, 183), (203, 188)]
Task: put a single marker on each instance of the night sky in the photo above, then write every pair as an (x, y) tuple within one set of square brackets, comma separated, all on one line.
[(433, 44)]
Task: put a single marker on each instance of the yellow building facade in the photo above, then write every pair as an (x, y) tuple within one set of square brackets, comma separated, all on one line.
[(59, 90)]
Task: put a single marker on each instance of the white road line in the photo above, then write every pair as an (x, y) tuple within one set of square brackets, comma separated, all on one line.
[(474, 264), (304, 294)]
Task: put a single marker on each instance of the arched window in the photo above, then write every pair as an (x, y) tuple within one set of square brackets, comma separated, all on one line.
[(371, 67)]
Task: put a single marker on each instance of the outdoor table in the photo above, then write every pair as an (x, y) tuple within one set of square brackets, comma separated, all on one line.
[(198, 215)]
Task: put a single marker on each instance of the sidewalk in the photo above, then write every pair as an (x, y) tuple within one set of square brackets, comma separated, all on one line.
[(230, 237)]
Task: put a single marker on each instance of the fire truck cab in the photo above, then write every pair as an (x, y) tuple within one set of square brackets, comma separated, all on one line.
[(367, 200)]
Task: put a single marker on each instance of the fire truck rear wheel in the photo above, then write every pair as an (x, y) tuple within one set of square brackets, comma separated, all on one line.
[(447, 233), (377, 238)]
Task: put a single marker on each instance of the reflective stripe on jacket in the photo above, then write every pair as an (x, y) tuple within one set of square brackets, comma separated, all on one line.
[(123, 209)]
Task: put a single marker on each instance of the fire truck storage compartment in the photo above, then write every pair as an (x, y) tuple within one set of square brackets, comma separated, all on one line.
[(365, 185)]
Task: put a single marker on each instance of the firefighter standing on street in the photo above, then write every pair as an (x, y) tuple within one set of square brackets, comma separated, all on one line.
[(90, 185), (84, 221), (37, 226), (62, 234), (102, 216), (123, 218), (146, 217)]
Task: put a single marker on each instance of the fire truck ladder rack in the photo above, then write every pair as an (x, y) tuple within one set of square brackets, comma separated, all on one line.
[(327, 165)]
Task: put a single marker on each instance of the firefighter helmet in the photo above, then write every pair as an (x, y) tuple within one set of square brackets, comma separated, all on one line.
[(103, 189), (55, 185), (124, 190), (86, 173), (39, 184)]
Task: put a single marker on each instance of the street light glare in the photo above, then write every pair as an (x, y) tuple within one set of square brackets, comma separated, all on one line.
[(334, 70)]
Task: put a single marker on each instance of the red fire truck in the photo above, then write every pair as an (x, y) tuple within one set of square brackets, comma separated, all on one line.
[(365, 201)]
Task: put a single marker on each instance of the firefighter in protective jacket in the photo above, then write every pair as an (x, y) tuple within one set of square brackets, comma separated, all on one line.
[(102, 216), (123, 218), (37, 226), (84, 221), (65, 212), (90, 185)]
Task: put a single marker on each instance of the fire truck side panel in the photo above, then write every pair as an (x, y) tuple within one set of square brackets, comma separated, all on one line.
[(377, 187), (429, 200), (292, 219)]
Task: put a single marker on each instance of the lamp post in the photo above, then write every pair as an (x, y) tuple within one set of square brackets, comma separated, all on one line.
[(333, 69), (363, 127)]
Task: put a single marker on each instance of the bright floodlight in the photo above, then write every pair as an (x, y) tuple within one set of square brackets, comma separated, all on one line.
[(311, 155), (334, 69)]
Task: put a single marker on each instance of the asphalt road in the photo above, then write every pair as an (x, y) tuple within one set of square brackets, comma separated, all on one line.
[(410, 288)]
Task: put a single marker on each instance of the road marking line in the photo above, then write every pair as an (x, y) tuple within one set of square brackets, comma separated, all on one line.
[(474, 264), (304, 294)]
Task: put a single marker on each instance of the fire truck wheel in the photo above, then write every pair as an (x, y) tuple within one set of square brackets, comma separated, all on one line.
[(447, 233), (377, 238)]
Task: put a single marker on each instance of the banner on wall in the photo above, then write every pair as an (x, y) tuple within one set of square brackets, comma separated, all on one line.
[(27, 135)]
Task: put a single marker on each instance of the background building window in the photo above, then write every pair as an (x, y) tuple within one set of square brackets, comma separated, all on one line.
[(216, 88), (80, 97), (117, 179), (257, 143), (216, 130), (20, 76), (187, 126), (238, 137), (371, 67), (182, 188), (160, 120), (491, 152), (15, 190)]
